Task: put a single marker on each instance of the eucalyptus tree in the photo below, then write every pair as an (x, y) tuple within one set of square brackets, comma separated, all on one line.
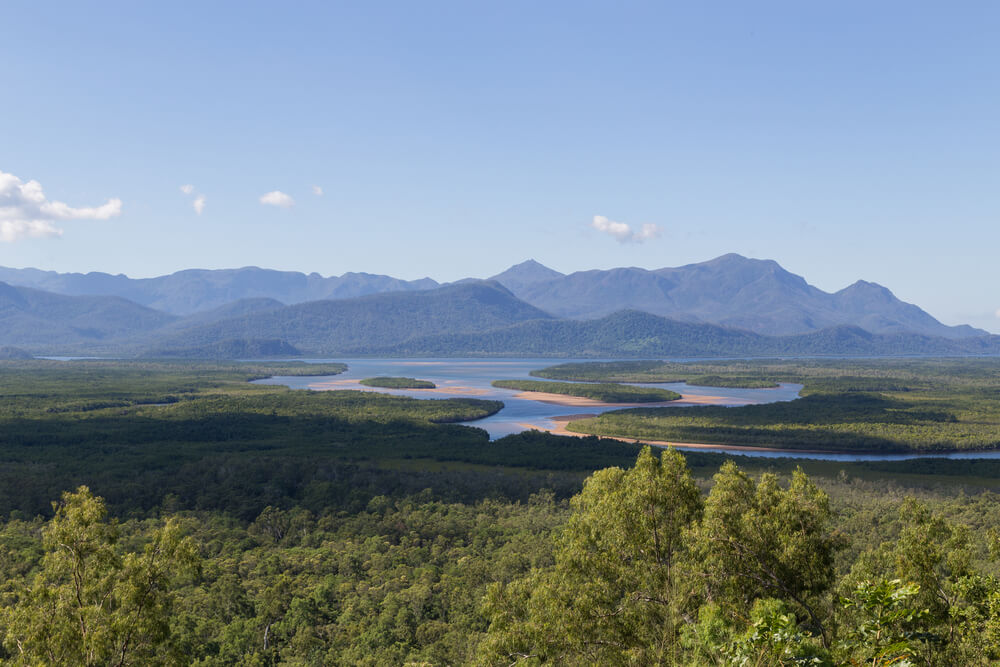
[(618, 591), (91, 602)]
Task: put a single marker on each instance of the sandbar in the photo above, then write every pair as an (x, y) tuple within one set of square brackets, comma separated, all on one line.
[(356, 385), (581, 402), (562, 420)]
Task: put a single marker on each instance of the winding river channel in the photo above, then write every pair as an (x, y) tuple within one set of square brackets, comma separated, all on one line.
[(472, 378)]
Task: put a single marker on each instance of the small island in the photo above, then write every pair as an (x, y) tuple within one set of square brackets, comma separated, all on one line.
[(398, 383), (718, 374), (603, 392), (732, 382)]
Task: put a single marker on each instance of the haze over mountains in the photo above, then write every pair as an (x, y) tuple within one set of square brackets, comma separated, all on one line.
[(734, 291), (729, 305), (194, 290)]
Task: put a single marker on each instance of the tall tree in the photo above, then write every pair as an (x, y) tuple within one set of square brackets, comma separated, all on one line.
[(759, 540), (615, 594), (92, 604)]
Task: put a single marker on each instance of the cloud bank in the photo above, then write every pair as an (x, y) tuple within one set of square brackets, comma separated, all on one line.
[(26, 213), (623, 232), (277, 198)]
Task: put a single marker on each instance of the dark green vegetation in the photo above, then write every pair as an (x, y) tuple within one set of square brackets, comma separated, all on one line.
[(885, 405), (736, 383), (251, 524), (604, 392), (658, 372), (398, 383)]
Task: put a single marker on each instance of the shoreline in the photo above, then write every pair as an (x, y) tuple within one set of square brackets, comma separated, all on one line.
[(357, 386), (561, 429), (582, 402)]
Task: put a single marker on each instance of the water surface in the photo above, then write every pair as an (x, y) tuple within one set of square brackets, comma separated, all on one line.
[(471, 378)]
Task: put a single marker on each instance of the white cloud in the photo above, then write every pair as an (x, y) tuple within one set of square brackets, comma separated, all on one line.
[(998, 312), (623, 232), (318, 191), (277, 198), (26, 213), (199, 201)]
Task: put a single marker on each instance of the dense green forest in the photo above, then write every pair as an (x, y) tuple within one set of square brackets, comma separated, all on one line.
[(658, 372), (233, 523), (606, 392), (636, 334), (398, 383)]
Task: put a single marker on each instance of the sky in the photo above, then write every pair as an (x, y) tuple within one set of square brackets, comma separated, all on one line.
[(845, 140)]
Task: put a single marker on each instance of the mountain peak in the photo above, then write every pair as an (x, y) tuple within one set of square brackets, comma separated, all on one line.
[(528, 272), (860, 289)]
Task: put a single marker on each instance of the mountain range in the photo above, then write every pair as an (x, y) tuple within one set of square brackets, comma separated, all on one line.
[(734, 291), (730, 305)]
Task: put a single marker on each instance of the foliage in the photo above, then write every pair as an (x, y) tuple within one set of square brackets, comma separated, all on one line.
[(654, 372), (349, 528), (91, 604), (605, 392), (883, 633), (612, 595), (398, 383), (909, 405)]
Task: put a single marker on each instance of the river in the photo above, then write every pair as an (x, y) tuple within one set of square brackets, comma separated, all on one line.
[(471, 378)]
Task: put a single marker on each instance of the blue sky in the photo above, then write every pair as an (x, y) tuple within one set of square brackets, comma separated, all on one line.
[(845, 140)]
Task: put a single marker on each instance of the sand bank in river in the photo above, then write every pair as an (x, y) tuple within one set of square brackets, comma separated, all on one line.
[(562, 420), (356, 384), (581, 402)]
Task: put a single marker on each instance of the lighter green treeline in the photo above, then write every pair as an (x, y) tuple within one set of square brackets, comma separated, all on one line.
[(604, 392), (398, 383)]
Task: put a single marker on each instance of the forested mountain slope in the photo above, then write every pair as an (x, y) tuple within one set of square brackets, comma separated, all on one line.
[(336, 326), (32, 317), (731, 290)]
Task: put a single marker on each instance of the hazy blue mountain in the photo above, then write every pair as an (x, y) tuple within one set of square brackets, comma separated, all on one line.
[(875, 308), (334, 326), (731, 290), (642, 335), (33, 318), (365, 312), (234, 348), (194, 290), (525, 274), (8, 353), (472, 318), (230, 310)]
